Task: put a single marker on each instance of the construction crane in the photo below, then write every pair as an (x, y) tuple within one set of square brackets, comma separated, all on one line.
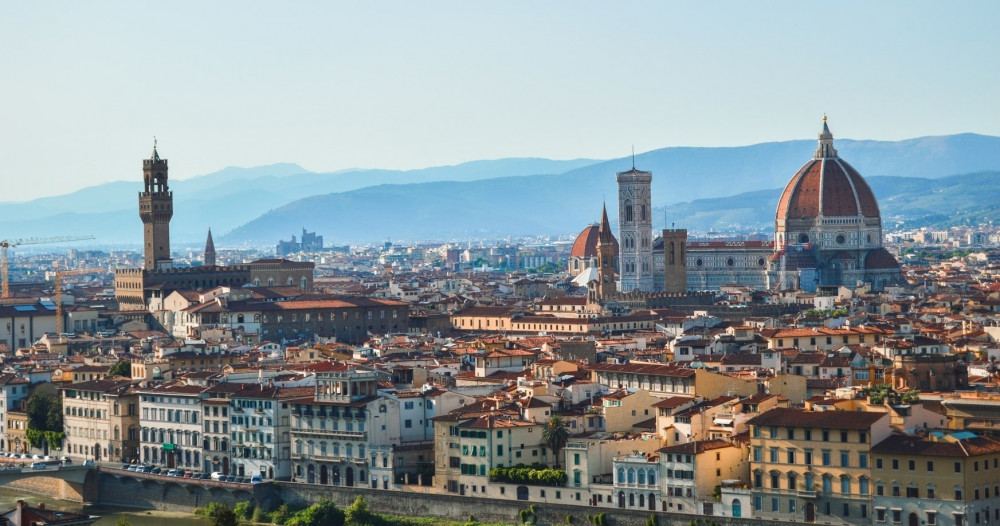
[(8, 243), (59, 305)]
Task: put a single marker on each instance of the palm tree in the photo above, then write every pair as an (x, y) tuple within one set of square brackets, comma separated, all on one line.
[(555, 435)]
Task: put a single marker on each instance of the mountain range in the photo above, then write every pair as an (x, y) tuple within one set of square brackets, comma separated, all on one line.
[(721, 189)]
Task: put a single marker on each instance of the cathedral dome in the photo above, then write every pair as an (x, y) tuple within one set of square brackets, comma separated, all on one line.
[(585, 246), (827, 187)]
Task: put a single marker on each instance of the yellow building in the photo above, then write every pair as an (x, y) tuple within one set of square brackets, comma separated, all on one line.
[(809, 466), (936, 480), (101, 420)]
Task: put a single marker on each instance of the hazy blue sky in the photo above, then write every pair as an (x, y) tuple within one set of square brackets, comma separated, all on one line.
[(84, 86)]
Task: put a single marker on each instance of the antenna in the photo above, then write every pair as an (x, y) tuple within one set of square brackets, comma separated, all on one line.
[(633, 157)]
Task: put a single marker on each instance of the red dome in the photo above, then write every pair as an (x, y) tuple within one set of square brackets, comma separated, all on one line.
[(827, 187), (880, 259), (585, 245)]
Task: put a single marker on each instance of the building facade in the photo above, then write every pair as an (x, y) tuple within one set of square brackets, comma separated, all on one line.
[(635, 230)]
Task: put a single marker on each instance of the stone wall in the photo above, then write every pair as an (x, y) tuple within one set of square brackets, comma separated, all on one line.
[(54, 488), (159, 495), (456, 507)]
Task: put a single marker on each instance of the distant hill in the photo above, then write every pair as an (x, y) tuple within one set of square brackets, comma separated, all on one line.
[(459, 210), (481, 198)]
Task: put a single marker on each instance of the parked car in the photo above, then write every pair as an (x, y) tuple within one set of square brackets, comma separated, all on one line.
[(142, 469), (155, 471), (65, 460), (38, 465), (125, 467), (188, 475), (216, 475), (131, 468), (172, 473), (256, 479), (88, 462)]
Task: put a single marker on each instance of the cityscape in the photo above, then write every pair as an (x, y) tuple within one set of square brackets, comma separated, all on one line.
[(804, 328)]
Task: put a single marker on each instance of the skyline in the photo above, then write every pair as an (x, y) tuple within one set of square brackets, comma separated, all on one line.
[(403, 86)]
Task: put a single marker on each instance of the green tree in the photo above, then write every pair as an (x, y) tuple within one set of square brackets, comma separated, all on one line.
[(123, 521), (122, 368), (357, 513), (555, 434), (224, 516)]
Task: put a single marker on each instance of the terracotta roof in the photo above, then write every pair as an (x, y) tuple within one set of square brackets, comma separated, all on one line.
[(916, 445), (880, 259), (817, 419), (699, 446)]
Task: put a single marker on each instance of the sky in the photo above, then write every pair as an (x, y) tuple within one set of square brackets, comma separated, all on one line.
[(85, 86)]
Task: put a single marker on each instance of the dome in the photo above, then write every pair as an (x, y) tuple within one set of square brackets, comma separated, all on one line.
[(585, 246), (827, 187), (881, 259)]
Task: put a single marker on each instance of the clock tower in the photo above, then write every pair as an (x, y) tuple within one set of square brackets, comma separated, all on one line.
[(156, 207)]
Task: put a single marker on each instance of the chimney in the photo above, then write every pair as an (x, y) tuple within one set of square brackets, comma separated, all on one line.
[(41, 505)]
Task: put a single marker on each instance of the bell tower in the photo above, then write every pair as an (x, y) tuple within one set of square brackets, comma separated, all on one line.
[(156, 207), (635, 230), (604, 287)]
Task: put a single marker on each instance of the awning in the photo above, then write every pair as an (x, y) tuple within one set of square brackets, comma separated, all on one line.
[(168, 446), (724, 421)]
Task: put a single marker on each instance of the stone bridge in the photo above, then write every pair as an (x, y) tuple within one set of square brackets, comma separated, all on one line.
[(73, 483), (145, 490)]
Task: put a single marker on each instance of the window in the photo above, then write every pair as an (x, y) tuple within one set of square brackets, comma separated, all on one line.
[(930, 491), (878, 463), (931, 518), (958, 493), (774, 432), (846, 510), (958, 467), (791, 456), (808, 458), (862, 437), (808, 434), (845, 459), (862, 460), (863, 486), (826, 436), (790, 433), (912, 492), (895, 463), (911, 465), (774, 504), (880, 514), (774, 454), (843, 436), (826, 457), (930, 465), (897, 516), (845, 486), (756, 454)]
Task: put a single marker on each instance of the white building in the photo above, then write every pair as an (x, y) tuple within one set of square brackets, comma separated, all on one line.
[(171, 426)]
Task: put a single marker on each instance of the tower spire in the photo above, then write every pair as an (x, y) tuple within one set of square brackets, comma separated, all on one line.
[(209, 256), (155, 156)]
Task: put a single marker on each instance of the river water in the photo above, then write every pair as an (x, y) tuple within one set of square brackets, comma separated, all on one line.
[(109, 515)]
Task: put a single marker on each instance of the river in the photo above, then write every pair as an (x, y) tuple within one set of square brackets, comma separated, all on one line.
[(109, 515)]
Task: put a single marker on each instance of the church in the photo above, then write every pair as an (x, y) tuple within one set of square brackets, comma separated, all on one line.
[(140, 289), (827, 232)]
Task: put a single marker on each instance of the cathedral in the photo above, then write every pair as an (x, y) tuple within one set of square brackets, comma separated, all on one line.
[(827, 232)]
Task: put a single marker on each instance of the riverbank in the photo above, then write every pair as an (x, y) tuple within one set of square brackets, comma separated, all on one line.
[(109, 514)]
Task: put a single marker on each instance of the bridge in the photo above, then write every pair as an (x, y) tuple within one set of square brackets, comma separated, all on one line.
[(68, 482), (76, 474)]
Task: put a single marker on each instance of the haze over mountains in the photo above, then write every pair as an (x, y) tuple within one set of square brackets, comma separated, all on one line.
[(697, 188)]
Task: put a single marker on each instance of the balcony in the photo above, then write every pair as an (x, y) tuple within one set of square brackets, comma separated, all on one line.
[(331, 433)]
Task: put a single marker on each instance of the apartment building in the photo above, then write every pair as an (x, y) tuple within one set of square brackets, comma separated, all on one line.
[(215, 441), (260, 430), (171, 426), (940, 479), (811, 466), (101, 420)]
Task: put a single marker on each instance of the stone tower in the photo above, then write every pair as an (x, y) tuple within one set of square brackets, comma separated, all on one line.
[(635, 230), (604, 286), (156, 207), (209, 257), (675, 260)]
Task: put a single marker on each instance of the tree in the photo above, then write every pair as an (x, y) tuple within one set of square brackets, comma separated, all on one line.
[(122, 368), (555, 434), (44, 413), (357, 513), (224, 516), (123, 521)]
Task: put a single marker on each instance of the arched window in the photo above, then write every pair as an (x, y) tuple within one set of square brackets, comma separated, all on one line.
[(628, 210), (737, 508), (631, 476), (652, 477), (642, 480), (621, 475)]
